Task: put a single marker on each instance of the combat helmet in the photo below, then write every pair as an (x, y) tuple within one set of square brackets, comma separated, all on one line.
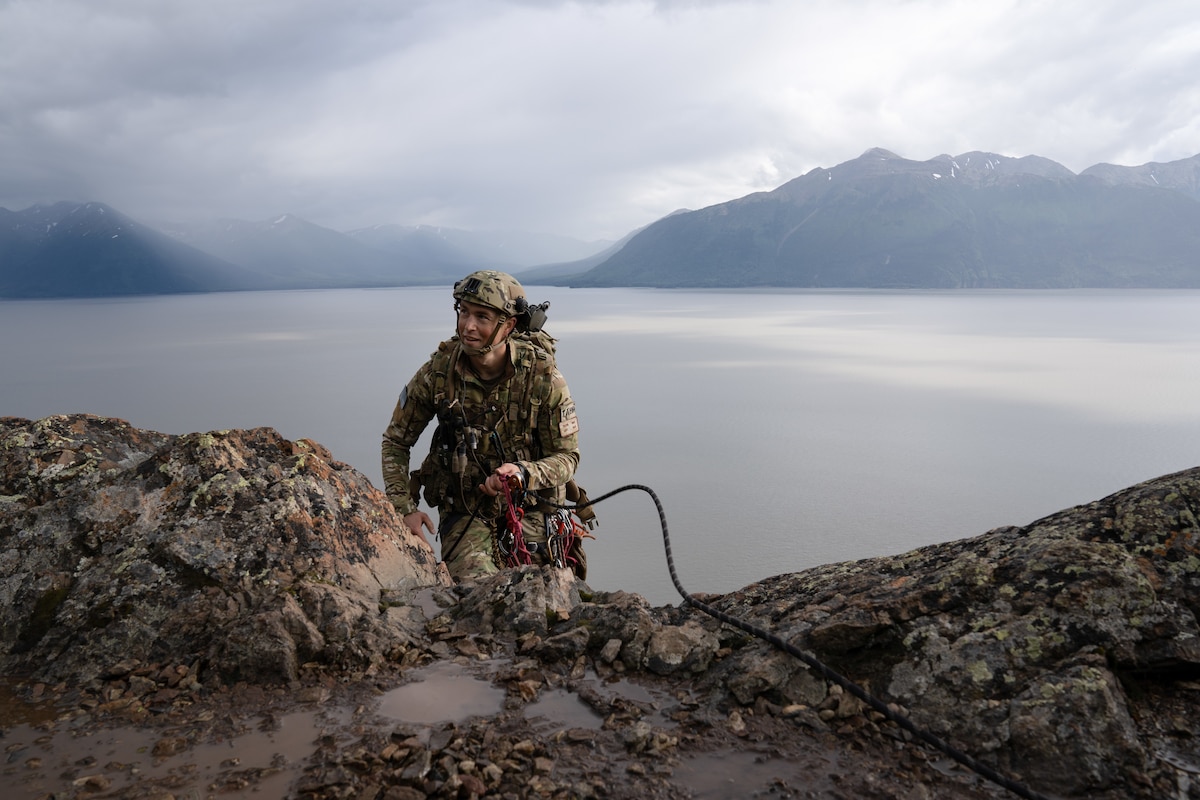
[(494, 289)]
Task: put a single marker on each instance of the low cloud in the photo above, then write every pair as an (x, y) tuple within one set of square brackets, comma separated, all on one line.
[(586, 119)]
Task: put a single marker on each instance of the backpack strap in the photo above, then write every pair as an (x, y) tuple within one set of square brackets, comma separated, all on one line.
[(539, 366), (447, 376)]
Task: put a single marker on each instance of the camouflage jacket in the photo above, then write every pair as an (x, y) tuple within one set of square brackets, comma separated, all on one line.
[(526, 417)]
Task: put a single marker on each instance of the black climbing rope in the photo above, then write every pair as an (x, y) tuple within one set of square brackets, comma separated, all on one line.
[(965, 759)]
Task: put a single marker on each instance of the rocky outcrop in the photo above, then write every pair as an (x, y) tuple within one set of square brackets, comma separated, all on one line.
[(235, 553), (1063, 651), (1063, 654)]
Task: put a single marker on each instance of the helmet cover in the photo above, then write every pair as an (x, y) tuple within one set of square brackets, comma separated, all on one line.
[(494, 289)]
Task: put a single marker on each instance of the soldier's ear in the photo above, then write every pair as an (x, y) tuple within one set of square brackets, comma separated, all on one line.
[(509, 324)]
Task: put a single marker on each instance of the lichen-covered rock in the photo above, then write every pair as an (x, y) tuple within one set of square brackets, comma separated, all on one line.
[(625, 618), (519, 601), (1064, 654), (238, 550), (1029, 645)]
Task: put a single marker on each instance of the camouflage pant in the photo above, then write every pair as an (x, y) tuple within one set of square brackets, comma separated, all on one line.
[(468, 543)]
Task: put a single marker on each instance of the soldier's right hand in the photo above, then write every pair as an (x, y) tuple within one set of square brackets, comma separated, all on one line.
[(418, 520)]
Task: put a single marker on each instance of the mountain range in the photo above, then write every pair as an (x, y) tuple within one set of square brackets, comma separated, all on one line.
[(976, 220), (93, 250)]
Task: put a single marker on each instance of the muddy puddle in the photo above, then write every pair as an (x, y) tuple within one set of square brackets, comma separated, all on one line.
[(721, 775), (16, 711), (558, 709), (452, 692), (44, 759), (563, 709), (45, 752), (442, 692)]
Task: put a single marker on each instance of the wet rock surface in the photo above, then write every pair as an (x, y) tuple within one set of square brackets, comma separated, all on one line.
[(232, 612)]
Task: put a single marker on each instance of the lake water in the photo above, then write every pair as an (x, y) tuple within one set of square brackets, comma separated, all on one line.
[(782, 430)]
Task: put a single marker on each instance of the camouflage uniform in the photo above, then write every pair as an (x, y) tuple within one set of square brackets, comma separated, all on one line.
[(526, 417)]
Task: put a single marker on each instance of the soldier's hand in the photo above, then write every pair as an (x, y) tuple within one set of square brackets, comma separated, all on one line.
[(418, 520), (495, 482)]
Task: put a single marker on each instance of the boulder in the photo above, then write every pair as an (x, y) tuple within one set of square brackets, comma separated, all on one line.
[(239, 552), (1048, 651)]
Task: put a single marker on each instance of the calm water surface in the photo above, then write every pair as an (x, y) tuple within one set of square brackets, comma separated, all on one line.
[(782, 430)]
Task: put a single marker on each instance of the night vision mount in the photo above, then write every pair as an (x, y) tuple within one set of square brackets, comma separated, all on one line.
[(531, 318)]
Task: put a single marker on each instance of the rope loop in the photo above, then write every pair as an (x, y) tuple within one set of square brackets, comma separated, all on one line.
[(511, 539)]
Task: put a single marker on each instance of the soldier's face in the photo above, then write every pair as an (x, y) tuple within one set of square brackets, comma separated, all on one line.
[(476, 324)]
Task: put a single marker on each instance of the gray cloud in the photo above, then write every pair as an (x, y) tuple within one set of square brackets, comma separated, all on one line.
[(583, 118)]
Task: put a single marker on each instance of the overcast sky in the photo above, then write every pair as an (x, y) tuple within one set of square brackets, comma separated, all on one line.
[(587, 119)]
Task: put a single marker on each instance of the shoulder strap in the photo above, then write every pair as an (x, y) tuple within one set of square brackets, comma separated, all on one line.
[(444, 361), (539, 365), (448, 376)]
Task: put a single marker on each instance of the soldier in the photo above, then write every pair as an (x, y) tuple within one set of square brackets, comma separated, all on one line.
[(506, 430)]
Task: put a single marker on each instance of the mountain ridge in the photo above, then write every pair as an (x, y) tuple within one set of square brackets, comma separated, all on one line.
[(103, 252), (975, 220), (978, 220), (92, 250)]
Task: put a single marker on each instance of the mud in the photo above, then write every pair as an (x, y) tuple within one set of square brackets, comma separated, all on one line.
[(485, 736)]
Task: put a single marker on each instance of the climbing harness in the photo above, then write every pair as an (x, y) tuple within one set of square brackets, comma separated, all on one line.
[(931, 739)]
